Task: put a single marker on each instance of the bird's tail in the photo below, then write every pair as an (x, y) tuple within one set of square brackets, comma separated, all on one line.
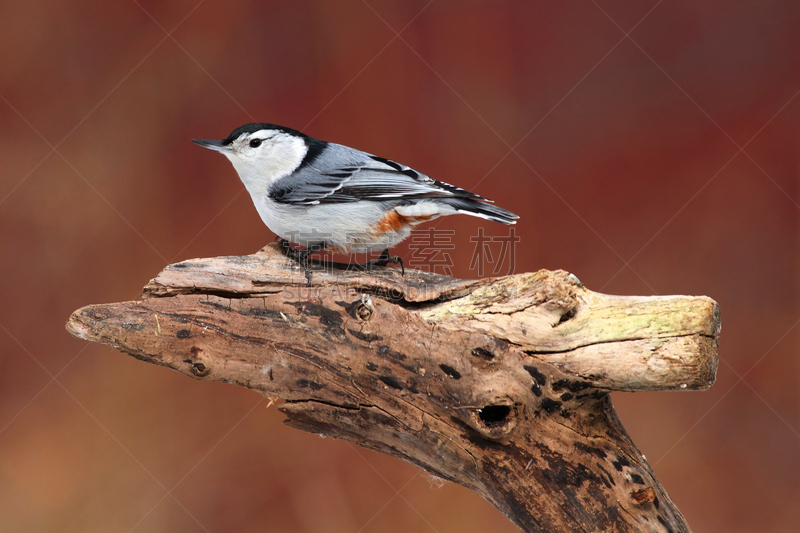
[(479, 209)]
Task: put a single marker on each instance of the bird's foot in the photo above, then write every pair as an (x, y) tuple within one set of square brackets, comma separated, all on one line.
[(301, 256), (384, 259), (290, 252)]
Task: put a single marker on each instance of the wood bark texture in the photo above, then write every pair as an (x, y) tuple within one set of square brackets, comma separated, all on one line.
[(500, 385)]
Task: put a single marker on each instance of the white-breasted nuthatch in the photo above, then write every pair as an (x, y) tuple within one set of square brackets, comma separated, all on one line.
[(323, 195)]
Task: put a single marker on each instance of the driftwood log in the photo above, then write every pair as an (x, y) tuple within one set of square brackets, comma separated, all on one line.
[(500, 385)]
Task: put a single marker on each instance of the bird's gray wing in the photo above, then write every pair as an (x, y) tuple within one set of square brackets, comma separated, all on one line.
[(342, 174)]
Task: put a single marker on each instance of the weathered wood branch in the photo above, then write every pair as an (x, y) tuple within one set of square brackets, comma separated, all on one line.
[(500, 385)]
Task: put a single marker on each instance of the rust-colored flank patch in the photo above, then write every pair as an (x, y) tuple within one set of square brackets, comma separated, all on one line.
[(394, 221)]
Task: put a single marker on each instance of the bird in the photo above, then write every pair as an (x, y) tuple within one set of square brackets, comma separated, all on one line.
[(327, 196)]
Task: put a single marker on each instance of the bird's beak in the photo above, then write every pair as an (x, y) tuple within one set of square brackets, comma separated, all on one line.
[(212, 145)]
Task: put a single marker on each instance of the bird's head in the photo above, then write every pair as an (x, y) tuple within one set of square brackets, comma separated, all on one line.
[(261, 153)]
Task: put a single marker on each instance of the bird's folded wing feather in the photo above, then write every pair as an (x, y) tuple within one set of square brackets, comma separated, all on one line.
[(349, 175)]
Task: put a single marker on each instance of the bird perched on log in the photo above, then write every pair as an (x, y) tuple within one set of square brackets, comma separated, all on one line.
[(327, 196)]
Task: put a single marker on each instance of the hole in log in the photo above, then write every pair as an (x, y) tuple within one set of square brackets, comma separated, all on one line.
[(199, 369), (450, 371), (496, 419), (566, 316), (483, 354), (551, 406), (391, 381), (363, 312), (361, 309), (540, 378), (494, 415)]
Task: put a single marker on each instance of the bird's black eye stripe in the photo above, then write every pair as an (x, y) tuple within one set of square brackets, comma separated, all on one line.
[(255, 143)]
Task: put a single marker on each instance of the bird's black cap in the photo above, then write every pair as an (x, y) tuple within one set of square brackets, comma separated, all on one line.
[(257, 126)]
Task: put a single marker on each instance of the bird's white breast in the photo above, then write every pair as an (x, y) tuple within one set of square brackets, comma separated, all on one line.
[(347, 227)]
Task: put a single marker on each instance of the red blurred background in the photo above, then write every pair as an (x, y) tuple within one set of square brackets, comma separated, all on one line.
[(651, 147)]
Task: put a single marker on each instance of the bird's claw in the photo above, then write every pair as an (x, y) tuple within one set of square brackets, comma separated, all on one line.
[(300, 256), (385, 259)]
